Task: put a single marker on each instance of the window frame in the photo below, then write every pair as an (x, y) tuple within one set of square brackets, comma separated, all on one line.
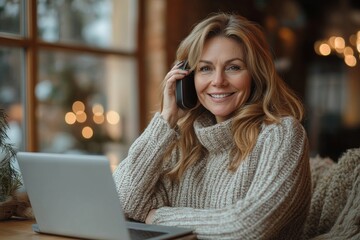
[(32, 45)]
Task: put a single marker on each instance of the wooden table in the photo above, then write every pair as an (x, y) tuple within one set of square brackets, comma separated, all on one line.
[(20, 229)]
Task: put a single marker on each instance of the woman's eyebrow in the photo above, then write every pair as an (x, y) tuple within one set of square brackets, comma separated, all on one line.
[(234, 59), (227, 61), (205, 61)]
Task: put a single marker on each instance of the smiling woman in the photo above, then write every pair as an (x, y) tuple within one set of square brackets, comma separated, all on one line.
[(239, 156), (222, 81)]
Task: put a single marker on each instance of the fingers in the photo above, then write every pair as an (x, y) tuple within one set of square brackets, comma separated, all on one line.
[(171, 78), (175, 74)]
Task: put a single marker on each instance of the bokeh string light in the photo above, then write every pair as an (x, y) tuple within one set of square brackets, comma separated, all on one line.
[(99, 117), (338, 45)]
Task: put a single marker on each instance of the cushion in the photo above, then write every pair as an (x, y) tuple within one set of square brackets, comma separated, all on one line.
[(334, 210)]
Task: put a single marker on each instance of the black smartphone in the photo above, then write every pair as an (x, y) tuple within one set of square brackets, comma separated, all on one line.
[(186, 97)]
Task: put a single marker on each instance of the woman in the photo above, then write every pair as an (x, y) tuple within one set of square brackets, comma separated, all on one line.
[(235, 166)]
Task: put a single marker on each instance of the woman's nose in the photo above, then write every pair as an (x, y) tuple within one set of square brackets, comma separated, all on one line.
[(219, 79)]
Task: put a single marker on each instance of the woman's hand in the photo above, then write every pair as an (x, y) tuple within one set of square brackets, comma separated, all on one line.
[(170, 111), (150, 217)]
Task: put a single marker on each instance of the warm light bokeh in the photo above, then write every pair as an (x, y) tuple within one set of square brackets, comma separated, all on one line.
[(98, 119), (113, 117), (78, 106), (70, 118), (324, 49), (87, 132), (81, 116), (338, 45), (98, 109)]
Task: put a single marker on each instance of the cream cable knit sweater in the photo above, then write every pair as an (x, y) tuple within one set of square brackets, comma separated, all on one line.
[(266, 198)]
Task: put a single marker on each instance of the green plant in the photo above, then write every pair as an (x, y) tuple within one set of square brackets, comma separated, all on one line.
[(9, 177)]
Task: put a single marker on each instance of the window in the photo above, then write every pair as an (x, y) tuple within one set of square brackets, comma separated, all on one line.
[(68, 74)]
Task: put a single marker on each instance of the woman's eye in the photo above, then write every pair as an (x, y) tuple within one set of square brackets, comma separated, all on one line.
[(233, 68), (204, 69)]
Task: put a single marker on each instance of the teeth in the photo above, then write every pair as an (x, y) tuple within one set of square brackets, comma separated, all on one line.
[(220, 95)]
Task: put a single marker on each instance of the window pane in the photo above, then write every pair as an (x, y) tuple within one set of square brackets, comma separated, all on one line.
[(10, 12), (101, 23), (11, 92), (86, 103)]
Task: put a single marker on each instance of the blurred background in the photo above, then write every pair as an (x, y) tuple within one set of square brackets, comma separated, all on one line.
[(83, 76)]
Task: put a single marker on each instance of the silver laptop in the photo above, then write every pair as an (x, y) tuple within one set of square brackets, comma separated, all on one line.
[(75, 196)]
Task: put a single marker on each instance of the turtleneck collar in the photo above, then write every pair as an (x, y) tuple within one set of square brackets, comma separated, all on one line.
[(215, 137)]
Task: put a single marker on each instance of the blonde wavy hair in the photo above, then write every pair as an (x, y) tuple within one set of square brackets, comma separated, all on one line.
[(270, 97)]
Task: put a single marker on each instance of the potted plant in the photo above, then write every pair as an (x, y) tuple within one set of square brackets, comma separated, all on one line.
[(9, 177)]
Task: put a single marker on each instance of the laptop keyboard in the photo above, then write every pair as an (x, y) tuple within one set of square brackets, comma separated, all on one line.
[(137, 234)]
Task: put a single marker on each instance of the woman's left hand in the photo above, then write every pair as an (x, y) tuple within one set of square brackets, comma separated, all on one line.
[(150, 217)]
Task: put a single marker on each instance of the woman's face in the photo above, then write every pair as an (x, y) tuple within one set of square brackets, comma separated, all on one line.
[(222, 80)]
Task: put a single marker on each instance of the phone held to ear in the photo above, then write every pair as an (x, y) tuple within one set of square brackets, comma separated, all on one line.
[(186, 97)]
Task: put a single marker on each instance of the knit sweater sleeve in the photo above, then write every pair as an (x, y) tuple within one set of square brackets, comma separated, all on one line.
[(278, 197), (137, 176)]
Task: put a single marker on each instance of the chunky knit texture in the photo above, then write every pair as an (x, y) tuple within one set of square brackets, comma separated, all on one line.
[(267, 197), (335, 205)]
